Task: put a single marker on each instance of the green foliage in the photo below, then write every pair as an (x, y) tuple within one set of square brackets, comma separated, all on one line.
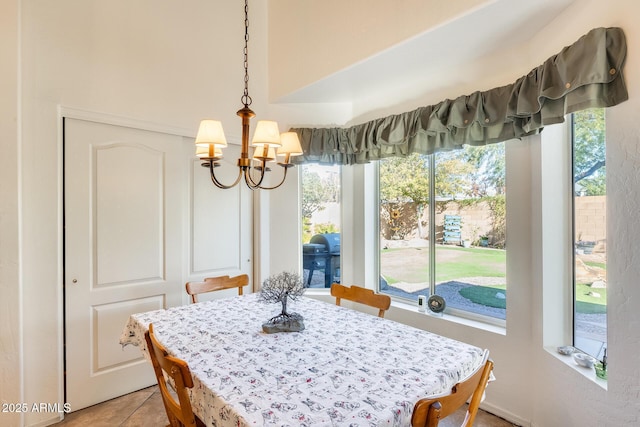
[(468, 176), (467, 203), (453, 174), (498, 206), (307, 233), (315, 193), (595, 186), (405, 179), (488, 169), (589, 151), (327, 227)]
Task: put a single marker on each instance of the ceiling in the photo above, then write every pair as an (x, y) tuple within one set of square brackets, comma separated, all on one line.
[(431, 60)]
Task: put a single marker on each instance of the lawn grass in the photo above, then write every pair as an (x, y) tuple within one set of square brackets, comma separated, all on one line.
[(585, 304), (590, 308), (588, 304), (451, 263), (470, 262), (602, 265), (486, 295)]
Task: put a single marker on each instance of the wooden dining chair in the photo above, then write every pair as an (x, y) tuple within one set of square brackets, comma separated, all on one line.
[(361, 295), (219, 283), (179, 412), (428, 412)]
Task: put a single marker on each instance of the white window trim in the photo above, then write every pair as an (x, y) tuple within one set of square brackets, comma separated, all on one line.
[(451, 314)]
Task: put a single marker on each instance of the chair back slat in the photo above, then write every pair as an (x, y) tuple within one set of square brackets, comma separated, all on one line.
[(211, 284), (361, 295)]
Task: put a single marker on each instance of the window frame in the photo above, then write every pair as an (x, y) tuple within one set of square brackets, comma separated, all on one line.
[(454, 312), (572, 227), (341, 218)]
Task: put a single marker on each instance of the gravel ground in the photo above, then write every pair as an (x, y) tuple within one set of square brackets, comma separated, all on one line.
[(450, 291)]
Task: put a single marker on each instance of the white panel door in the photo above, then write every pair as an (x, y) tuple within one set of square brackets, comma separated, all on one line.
[(126, 206), (221, 225)]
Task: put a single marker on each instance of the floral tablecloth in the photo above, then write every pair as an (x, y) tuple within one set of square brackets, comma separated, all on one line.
[(346, 368)]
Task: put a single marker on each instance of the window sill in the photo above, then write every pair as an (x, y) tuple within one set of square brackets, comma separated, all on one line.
[(589, 374), (407, 313), (412, 310)]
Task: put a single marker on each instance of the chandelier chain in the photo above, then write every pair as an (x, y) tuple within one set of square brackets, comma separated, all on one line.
[(246, 99), (211, 138)]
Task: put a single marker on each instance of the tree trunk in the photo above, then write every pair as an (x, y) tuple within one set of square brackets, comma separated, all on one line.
[(419, 212), (597, 165)]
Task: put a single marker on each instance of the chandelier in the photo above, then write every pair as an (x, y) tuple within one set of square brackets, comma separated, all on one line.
[(267, 140)]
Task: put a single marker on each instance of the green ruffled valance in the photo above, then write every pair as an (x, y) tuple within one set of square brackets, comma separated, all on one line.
[(587, 74)]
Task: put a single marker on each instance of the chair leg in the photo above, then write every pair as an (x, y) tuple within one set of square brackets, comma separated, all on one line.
[(433, 418)]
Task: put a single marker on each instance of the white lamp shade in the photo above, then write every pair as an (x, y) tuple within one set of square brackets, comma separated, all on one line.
[(258, 154), (210, 132), (290, 144), (267, 133), (203, 151)]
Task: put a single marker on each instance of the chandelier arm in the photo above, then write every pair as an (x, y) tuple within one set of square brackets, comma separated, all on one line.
[(249, 180), (284, 176), (220, 184)]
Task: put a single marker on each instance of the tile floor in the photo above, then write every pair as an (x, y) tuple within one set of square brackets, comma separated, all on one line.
[(144, 408)]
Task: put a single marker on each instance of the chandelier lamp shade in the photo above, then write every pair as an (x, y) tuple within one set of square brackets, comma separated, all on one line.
[(269, 145)]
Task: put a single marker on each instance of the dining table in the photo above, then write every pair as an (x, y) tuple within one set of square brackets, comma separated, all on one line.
[(346, 368)]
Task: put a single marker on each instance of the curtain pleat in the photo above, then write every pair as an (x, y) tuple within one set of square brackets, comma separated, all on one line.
[(587, 74)]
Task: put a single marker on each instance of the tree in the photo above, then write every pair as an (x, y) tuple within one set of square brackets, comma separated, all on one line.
[(280, 288), (589, 150), (488, 169), (402, 180), (453, 175), (406, 179), (315, 193)]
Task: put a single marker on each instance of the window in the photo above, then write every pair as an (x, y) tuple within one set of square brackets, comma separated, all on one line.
[(447, 239), (320, 225), (589, 232)]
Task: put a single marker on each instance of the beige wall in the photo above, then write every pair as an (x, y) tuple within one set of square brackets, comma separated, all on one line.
[(310, 40), (560, 393), (10, 297)]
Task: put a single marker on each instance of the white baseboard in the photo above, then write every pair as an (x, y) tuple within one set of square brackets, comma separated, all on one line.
[(502, 413)]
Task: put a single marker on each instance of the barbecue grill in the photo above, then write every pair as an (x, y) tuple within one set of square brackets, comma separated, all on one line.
[(323, 253)]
